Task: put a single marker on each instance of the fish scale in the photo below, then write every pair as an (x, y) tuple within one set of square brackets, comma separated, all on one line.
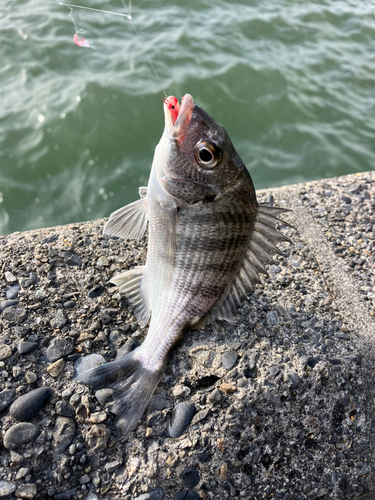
[(208, 241)]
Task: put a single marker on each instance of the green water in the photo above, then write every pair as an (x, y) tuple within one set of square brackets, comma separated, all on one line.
[(293, 82)]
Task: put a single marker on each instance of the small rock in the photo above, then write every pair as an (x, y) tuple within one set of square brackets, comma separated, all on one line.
[(19, 434), (63, 434), (364, 470), (97, 437), (227, 388), (229, 359), (201, 415), (16, 458), (22, 472), (58, 348), (12, 292), (98, 417), (58, 321), (4, 304), (180, 390), (181, 417), (112, 466), (85, 479), (5, 352), (30, 377), (6, 489), (15, 315), (215, 396), (253, 360), (66, 495), (157, 494), (69, 304), (92, 496), (26, 407), (158, 401), (190, 476), (6, 397), (104, 396), (129, 346), (27, 490), (96, 291), (186, 495), (102, 262), (294, 380), (312, 361), (10, 277), (24, 347), (346, 199), (64, 410), (56, 368), (72, 259), (272, 317), (87, 363)]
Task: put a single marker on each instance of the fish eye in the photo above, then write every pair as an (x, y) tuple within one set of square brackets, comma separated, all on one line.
[(206, 154)]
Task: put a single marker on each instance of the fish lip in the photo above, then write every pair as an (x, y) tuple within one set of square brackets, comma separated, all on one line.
[(178, 129)]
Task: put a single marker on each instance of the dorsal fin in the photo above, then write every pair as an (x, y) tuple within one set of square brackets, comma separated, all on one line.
[(261, 247), (131, 284), (129, 222)]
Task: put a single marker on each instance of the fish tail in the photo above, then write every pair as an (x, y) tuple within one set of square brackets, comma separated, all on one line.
[(132, 383)]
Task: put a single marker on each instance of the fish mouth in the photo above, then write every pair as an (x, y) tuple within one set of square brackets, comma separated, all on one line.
[(177, 118)]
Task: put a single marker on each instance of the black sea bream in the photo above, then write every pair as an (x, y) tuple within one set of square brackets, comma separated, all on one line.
[(208, 241)]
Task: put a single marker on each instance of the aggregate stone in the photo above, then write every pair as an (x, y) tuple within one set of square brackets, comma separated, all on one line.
[(69, 304), (24, 347), (129, 346), (15, 315), (4, 304), (186, 495), (58, 320), (104, 396), (28, 406), (157, 494), (190, 476), (92, 496), (88, 362), (10, 277), (112, 466), (294, 380), (5, 352), (30, 377), (72, 259), (56, 368), (229, 359), (58, 348), (253, 360), (6, 397), (12, 292), (181, 417), (6, 488), (96, 291), (64, 410), (20, 434), (66, 495), (26, 490), (97, 437), (63, 434)]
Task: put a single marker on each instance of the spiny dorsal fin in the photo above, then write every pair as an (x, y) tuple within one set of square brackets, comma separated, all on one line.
[(129, 222), (261, 248), (131, 285)]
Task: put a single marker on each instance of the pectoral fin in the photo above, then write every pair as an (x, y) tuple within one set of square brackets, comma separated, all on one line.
[(129, 222), (132, 285)]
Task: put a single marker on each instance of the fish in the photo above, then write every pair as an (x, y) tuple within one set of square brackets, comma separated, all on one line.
[(208, 242)]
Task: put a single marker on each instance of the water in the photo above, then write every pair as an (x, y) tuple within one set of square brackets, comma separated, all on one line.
[(292, 81)]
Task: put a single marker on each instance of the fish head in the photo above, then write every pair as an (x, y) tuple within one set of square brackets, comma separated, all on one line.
[(201, 162)]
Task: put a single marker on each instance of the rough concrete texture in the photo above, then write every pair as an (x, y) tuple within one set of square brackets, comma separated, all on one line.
[(288, 413)]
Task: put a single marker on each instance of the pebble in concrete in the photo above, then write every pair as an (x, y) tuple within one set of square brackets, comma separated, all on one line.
[(181, 417), (157, 494), (6, 397), (57, 349), (190, 477), (104, 396), (89, 362), (24, 347), (12, 292), (229, 359), (28, 406), (26, 490), (5, 352), (19, 434), (56, 368), (63, 434), (186, 495), (215, 396), (6, 489)]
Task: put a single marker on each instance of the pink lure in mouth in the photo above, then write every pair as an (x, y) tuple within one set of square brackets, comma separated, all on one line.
[(174, 107)]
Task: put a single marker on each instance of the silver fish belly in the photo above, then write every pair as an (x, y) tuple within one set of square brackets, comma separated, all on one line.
[(208, 242)]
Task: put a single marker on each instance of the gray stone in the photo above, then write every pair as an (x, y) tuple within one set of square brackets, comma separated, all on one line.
[(88, 362), (57, 349), (64, 410), (97, 437), (112, 466), (6, 397), (129, 346), (66, 495), (253, 360), (4, 304), (27, 406), (294, 380), (69, 304), (15, 315), (181, 417), (58, 320), (27, 490), (10, 277), (157, 494), (63, 434), (20, 434), (104, 396), (6, 489), (190, 476), (96, 291), (229, 359), (24, 347), (5, 352), (215, 396), (186, 495), (12, 292), (72, 259)]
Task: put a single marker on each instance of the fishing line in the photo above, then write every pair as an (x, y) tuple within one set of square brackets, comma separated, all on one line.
[(96, 10)]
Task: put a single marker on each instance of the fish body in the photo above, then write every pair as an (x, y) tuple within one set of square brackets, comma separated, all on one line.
[(208, 241)]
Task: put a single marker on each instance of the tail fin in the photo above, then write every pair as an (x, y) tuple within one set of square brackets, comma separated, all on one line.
[(133, 387)]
